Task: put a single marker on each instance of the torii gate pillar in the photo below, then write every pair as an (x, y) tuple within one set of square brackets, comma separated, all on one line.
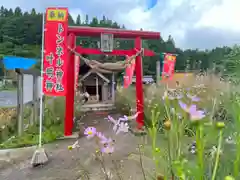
[(139, 84), (69, 101)]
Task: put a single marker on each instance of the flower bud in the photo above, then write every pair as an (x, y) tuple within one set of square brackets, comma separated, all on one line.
[(229, 178), (157, 150), (220, 125), (70, 147), (160, 177), (97, 151), (167, 125)]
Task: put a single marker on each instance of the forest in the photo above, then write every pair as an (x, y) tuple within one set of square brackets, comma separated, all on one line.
[(21, 33)]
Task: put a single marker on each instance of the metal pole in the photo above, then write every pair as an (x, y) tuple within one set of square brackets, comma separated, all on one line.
[(35, 98), (97, 93), (158, 73), (41, 86), (20, 104), (113, 87)]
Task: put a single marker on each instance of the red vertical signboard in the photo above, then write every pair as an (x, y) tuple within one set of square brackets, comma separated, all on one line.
[(168, 66), (129, 71), (55, 52)]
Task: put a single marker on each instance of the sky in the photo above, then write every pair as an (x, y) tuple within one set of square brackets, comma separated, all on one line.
[(202, 24)]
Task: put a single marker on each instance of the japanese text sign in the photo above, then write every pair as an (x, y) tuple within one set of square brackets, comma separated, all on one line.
[(168, 66), (129, 71), (55, 52)]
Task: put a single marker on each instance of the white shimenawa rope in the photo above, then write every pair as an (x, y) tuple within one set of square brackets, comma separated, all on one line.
[(41, 86)]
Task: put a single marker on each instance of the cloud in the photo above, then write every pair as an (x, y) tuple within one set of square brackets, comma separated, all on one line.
[(173, 17), (207, 38), (224, 17), (75, 12), (185, 20)]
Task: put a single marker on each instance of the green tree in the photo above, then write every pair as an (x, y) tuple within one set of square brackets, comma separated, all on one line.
[(17, 11), (94, 22), (2, 12), (87, 20), (33, 12), (21, 35), (2, 69), (70, 20), (10, 12), (78, 21)]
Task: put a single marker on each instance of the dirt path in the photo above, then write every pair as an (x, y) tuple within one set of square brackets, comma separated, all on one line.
[(66, 165)]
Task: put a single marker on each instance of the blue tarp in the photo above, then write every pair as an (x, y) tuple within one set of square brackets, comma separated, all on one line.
[(11, 62)]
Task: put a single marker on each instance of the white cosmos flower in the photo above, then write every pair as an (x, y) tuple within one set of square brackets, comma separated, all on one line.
[(123, 127), (119, 125), (76, 145)]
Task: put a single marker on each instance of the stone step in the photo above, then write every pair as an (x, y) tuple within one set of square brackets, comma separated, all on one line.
[(97, 107)]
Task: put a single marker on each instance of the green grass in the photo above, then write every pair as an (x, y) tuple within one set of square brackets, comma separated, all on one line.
[(8, 89), (226, 163), (52, 127), (213, 102), (30, 137), (162, 144)]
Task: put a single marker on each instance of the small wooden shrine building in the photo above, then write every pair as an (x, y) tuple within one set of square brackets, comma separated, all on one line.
[(99, 85)]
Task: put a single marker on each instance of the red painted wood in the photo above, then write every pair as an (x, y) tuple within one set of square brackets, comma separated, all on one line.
[(69, 104), (115, 52), (139, 85), (148, 52), (117, 33)]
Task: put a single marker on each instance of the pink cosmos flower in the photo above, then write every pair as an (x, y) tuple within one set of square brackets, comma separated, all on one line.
[(107, 141), (123, 127), (187, 108), (108, 146), (115, 122), (179, 96), (90, 132), (101, 137), (120, 125), (193, 98), (197, 115), (193, 112), (108, 149), (124, 118), (110, 118)]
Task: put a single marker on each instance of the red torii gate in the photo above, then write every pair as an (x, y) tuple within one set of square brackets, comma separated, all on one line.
[(73, 32)]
